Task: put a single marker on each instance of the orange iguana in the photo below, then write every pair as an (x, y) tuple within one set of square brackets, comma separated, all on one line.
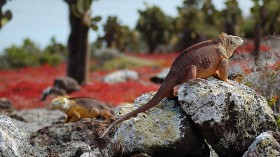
[(202, 60), (80, 107)]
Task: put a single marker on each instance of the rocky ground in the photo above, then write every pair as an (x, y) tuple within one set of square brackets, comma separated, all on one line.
[(233, 120), (34, 119)]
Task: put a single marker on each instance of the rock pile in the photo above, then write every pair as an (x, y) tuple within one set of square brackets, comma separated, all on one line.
[(209, 118)]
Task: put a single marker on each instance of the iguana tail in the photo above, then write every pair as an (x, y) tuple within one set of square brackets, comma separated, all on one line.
[(168, 84)]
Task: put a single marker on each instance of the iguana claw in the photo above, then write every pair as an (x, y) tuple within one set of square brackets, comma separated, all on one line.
[(195, 81)]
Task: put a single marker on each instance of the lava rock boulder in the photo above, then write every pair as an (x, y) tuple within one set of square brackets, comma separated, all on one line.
[(228, 116), (163, 130)]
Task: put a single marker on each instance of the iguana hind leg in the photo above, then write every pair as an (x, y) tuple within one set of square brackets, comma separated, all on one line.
[(195, 80), (185, 75), (107, 114), (173, 94), (190, 74)]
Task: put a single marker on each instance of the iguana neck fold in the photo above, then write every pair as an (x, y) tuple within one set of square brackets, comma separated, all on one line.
[(66, 105)]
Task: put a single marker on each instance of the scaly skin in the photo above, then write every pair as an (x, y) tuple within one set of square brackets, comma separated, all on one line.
[(77, 108), (202, 60)]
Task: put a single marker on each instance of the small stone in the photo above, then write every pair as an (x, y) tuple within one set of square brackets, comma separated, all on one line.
[(67, 83), (6, 105), (121, 76), (158, 78)]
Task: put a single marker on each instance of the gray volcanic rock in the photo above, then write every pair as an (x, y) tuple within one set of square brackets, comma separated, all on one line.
[(121, 76), (6, 105), (158, 78), (73, 139), (14, 142), (228, 116), (67, 83), (163, 130), (34, 119), (62, 85), (266, 144)]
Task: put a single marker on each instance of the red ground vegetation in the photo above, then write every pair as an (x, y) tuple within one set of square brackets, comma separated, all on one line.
[(23, 87), (117, 93), (249, 48)]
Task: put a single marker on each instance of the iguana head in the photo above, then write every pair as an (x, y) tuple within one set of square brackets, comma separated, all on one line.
[(61, 103), (230, 42)]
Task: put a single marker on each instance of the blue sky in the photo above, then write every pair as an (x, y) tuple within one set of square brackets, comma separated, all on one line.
[(40, 20)]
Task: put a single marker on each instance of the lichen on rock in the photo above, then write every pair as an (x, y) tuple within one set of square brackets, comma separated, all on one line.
[(266, 144), (228, 116), (161, 128)]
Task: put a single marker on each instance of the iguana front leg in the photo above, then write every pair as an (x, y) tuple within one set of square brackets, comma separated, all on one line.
[(222, 71), (67, 119), (76, 116), (107, 114)]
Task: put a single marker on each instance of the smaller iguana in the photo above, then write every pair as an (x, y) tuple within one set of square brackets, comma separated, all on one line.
[(81, 107)]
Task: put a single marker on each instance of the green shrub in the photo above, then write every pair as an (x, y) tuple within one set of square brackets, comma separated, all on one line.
[(17, 57), (126, 62), (110, 59), (28, 54), (52, 59), (277, 118), (248, 27)]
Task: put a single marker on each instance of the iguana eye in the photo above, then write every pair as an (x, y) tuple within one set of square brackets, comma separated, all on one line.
[(55, 103)]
